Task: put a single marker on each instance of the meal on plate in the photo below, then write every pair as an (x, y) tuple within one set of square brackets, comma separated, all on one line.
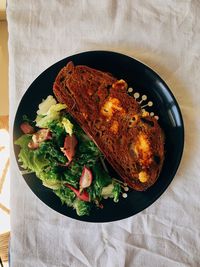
[(93, 119)]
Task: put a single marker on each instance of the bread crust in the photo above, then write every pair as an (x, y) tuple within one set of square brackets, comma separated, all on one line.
[(131, 140)]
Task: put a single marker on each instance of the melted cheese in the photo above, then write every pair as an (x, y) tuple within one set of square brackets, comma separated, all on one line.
[(120, 85), (143, 177), (142, 149), (114, 127), (143, 143), (110, 106)]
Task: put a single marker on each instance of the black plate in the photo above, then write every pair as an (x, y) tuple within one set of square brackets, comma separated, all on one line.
[(143, 80)]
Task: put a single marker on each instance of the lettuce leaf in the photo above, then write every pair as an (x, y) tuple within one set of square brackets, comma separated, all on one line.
[(68, 126), (45, 105), (82, 208), (29, 159), (48, 112), (66, 195)]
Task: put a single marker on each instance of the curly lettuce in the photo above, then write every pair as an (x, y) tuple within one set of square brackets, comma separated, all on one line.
[(49, 111)]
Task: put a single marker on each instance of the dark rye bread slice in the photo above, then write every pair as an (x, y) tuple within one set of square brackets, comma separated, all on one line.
[(131, 140)]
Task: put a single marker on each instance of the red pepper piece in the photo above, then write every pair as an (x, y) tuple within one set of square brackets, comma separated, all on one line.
[(86, 178), (69, 146), (82, 196), (27, 128)]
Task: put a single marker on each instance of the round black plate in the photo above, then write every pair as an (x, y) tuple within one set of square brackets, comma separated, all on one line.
[(143, 80)]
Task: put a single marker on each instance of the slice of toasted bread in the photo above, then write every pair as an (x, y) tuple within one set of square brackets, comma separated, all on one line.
[(131, 140)]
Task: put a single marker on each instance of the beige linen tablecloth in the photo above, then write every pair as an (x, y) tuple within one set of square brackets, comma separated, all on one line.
[(166, 36)]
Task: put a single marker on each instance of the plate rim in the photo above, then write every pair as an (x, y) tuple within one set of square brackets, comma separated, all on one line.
[(181, 151)]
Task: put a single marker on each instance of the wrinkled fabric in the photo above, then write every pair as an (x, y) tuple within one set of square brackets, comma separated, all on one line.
[(165, 35)]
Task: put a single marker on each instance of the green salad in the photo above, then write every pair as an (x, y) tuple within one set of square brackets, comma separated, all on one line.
[(65, 159)]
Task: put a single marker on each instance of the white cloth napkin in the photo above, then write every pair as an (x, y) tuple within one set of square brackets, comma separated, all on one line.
[(166, 36)]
